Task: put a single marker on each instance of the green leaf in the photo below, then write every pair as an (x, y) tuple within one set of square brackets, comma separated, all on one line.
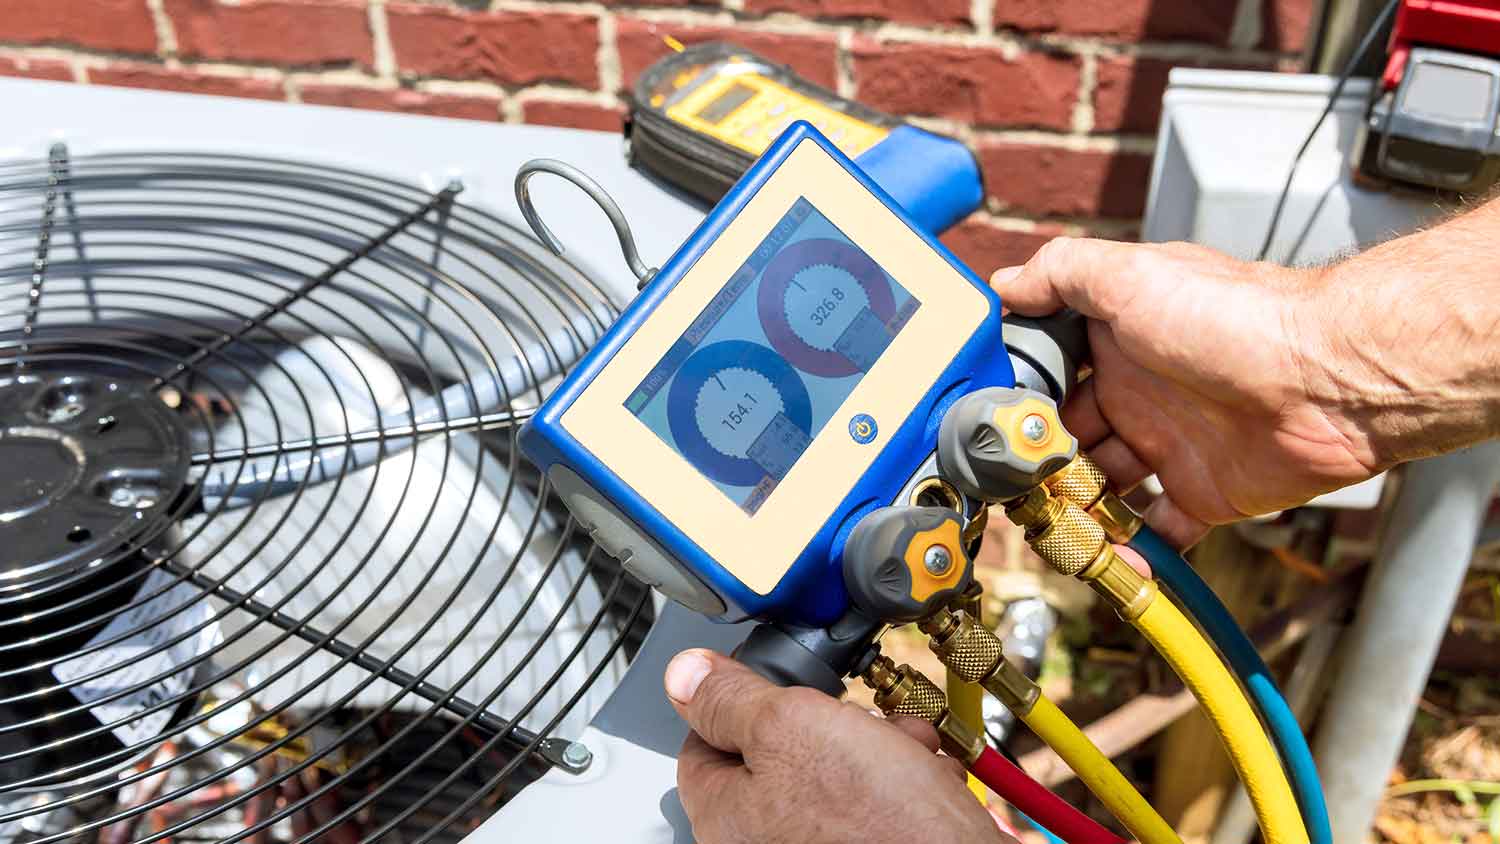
[(1464, 794), (1492, 817)]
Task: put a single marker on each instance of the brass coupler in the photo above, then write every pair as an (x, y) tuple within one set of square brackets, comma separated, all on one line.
[(1073, 543), (903, 690), (976, 655)]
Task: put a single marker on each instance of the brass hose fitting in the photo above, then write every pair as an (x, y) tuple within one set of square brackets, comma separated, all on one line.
[(1073, 543), (1084, 483), (974, 653), (1070, 541), (903, 690)]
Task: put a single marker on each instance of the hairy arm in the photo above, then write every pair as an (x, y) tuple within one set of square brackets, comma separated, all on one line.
[(1406, 339), (1251, 387)]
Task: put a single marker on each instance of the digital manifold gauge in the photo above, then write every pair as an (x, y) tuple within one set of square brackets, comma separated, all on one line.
[(784, 374)]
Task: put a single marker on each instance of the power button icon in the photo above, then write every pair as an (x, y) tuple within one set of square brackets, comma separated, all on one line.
[(862, 428)]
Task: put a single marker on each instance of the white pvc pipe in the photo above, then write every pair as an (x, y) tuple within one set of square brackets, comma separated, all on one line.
[(1402, 616)]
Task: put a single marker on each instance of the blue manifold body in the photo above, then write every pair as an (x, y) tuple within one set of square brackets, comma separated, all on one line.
[(632, 526)]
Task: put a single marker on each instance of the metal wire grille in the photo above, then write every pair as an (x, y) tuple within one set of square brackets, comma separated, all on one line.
[(296, 581)]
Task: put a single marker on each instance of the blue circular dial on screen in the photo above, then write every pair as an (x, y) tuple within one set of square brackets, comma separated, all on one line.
[(725, 396), (812, 293)]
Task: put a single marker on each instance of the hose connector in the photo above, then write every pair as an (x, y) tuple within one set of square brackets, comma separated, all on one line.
[(1085, 484), (1074, 544), (905, 691), (975, 654), (1126, 589)]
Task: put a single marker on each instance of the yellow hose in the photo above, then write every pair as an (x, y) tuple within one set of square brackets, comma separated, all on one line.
[(1176, 639), (966, 702), (1098, 773)]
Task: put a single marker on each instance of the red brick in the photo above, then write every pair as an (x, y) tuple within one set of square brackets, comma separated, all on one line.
[(573, 115), (512, 47), (153, 76), (986, 247), (1131, 20), (909, 11), (285, 32), (641, 44), (971, 84), (123, 26), (36, 69), (676, 3), (1285, 24), (1127, 95), (466, 106), (1072, 183)]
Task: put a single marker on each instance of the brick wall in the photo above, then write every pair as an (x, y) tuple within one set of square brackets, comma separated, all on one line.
[(1059, 98)]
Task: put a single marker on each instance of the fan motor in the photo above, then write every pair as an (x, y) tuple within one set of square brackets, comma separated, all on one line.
[(97, 462)]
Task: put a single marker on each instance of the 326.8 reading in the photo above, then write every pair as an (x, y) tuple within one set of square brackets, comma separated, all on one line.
[(825, 308)]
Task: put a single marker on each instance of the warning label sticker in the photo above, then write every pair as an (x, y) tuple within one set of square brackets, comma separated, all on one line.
[(134, 660)]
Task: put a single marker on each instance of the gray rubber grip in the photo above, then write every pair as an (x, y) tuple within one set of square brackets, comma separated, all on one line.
[(1050, 350), (816, 657)]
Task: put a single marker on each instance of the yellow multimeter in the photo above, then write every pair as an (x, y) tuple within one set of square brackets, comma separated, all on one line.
[(742, 106), (700, 117)]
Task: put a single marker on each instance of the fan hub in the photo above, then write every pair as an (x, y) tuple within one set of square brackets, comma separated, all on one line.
[(96, 462), (49, 462)]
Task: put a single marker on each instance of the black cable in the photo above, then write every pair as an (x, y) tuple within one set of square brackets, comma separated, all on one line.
[(1376, 27)]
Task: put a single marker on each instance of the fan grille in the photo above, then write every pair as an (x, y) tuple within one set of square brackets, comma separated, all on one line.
[(360, 614)]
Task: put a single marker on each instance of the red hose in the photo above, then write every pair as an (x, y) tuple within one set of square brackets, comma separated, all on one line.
[(1030, 797)]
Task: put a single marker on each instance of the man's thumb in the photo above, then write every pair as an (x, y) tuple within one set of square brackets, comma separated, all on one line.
[(1078, 273), (717, 696), (685, 673)]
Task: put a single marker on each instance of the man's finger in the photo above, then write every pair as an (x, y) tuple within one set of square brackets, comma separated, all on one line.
[(1124, 468), (1083, 418), (1133, 557), (955, 767), (718, 697), (918, 729), (1080, 273), (707, 777), (1180, 530)]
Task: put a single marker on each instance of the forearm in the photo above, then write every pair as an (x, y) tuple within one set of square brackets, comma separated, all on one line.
[(1406, 339)]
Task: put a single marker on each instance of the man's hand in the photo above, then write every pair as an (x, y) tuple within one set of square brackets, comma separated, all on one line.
[(1205, 374), (766, 765)]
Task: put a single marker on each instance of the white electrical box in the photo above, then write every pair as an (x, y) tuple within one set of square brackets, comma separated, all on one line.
[(1226, 142)]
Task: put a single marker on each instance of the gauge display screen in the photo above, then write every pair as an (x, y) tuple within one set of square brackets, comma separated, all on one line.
[(763, 368), (732, 98)]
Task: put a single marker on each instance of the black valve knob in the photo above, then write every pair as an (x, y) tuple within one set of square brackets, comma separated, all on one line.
[(902, 563), (996, 444)]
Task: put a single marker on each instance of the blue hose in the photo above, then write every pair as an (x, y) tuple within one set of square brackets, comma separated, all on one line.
[(1204, 606)]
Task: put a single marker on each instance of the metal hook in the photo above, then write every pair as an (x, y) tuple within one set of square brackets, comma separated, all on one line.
[(596, 193)]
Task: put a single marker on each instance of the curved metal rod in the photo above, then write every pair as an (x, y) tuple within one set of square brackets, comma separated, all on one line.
[(601, 198)]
